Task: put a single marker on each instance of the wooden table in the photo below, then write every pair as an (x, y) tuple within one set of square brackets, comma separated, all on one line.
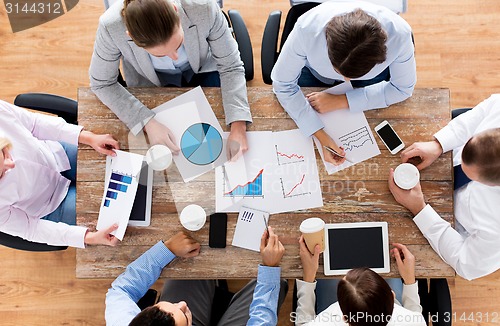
[(357, 194)]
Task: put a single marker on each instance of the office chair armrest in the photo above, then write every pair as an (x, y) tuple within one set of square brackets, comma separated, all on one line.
[(61, 106), (18, 243), (440, 298), (244, 44), (269, 49), (456, 112)]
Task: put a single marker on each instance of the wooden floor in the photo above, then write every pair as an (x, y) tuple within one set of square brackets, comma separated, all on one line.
[(457, 47)]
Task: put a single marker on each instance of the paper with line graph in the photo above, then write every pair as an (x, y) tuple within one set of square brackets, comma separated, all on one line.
[(351, 131), (277, 174)]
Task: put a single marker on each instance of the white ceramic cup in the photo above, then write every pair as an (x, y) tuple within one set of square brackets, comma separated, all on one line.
[(159, 157), (313, 230), (406, 176), (193, 217)]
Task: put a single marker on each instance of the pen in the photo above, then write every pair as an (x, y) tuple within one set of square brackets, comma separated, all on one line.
[(267, 226), (331, 150)]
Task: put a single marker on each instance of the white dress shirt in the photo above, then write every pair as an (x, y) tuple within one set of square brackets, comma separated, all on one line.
[(306, 46), (409, 314), (474, 250), (34, 188)]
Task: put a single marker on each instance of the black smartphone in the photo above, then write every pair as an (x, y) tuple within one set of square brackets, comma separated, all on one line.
[(217, 230)]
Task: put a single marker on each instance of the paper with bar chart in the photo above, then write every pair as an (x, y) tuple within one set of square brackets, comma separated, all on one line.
[(277, 174), (246, 181), (351, 131), (197, 133), (120, 188)]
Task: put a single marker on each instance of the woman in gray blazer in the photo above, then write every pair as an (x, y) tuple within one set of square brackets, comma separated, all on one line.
[(168, 43)]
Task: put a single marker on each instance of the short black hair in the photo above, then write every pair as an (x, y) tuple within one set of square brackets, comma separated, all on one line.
[(356, 43), (153, 316)]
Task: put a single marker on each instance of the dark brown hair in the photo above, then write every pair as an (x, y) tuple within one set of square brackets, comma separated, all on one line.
[(365, 298), (356, 43), (153, 316), (150, 22), (483, 152)]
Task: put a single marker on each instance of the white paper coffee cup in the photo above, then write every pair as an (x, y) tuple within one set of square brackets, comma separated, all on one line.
[(406, 176), (193, 217), (313, 230), (159, 157)]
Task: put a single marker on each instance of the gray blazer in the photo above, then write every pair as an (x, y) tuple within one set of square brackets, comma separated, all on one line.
[(209, 46)]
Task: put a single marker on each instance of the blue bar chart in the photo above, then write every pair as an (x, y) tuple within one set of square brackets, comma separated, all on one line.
[(118, 183), (250, 189)]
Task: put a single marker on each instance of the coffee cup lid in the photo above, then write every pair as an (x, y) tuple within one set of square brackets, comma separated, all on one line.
[(406, 176), (311, 225), (159, 157), (193, 217)]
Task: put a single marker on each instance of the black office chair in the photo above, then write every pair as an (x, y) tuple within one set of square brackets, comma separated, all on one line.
[(65, 108), (269, 51)]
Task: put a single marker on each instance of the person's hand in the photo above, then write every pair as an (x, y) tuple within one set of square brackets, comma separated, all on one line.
[(310, 262), (326, 140), (271, 249), (427, 151), (412, 199), (406, 263), (324, 102), (102, 237), (237, 141), (104, 144), (182, 245), (160, 134)]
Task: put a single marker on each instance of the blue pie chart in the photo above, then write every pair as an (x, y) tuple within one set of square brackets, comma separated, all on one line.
[(201, 144)]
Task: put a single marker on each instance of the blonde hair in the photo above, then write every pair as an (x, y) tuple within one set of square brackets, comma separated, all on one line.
[(5, 143)]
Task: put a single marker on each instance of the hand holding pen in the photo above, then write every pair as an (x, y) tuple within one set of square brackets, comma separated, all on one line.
[(271, 249)]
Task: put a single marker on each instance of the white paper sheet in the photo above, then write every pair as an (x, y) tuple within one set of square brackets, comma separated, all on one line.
[(120, 188), (186, 116), (351, 131), (250, 226), (277, 174)]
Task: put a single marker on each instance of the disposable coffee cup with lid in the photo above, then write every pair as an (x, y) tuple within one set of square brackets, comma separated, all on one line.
[(406, 176), (159, 157), (313, 230), (193, 217)]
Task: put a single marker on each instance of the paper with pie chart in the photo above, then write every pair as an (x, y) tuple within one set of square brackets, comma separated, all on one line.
[(277, 174), (197, 133)]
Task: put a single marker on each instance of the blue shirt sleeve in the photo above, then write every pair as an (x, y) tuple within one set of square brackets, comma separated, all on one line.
[(131, 285), (264, 307)]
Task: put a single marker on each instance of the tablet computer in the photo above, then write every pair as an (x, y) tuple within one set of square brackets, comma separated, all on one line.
[(141, 210), (352, 245)]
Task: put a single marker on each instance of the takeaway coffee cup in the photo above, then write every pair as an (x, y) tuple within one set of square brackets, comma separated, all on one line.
[(159, 157), (193, 217), (406, 176), (313, 230)]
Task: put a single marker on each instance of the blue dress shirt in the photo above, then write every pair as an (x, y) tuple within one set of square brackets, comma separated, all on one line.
[(306, 47), (131, 285)]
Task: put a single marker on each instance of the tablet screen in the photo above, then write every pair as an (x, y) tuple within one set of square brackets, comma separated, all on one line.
[(140, 213), (355, 247)]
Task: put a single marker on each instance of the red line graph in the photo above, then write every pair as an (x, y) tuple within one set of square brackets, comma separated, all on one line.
[(298, 184), (290, 156), (246, 184)]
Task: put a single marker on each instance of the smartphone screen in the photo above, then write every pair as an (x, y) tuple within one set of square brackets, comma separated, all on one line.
[(217, 230), (389, 136)]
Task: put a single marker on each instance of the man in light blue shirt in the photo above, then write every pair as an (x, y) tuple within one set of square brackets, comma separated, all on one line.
[(338, 42), (256, 304)]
